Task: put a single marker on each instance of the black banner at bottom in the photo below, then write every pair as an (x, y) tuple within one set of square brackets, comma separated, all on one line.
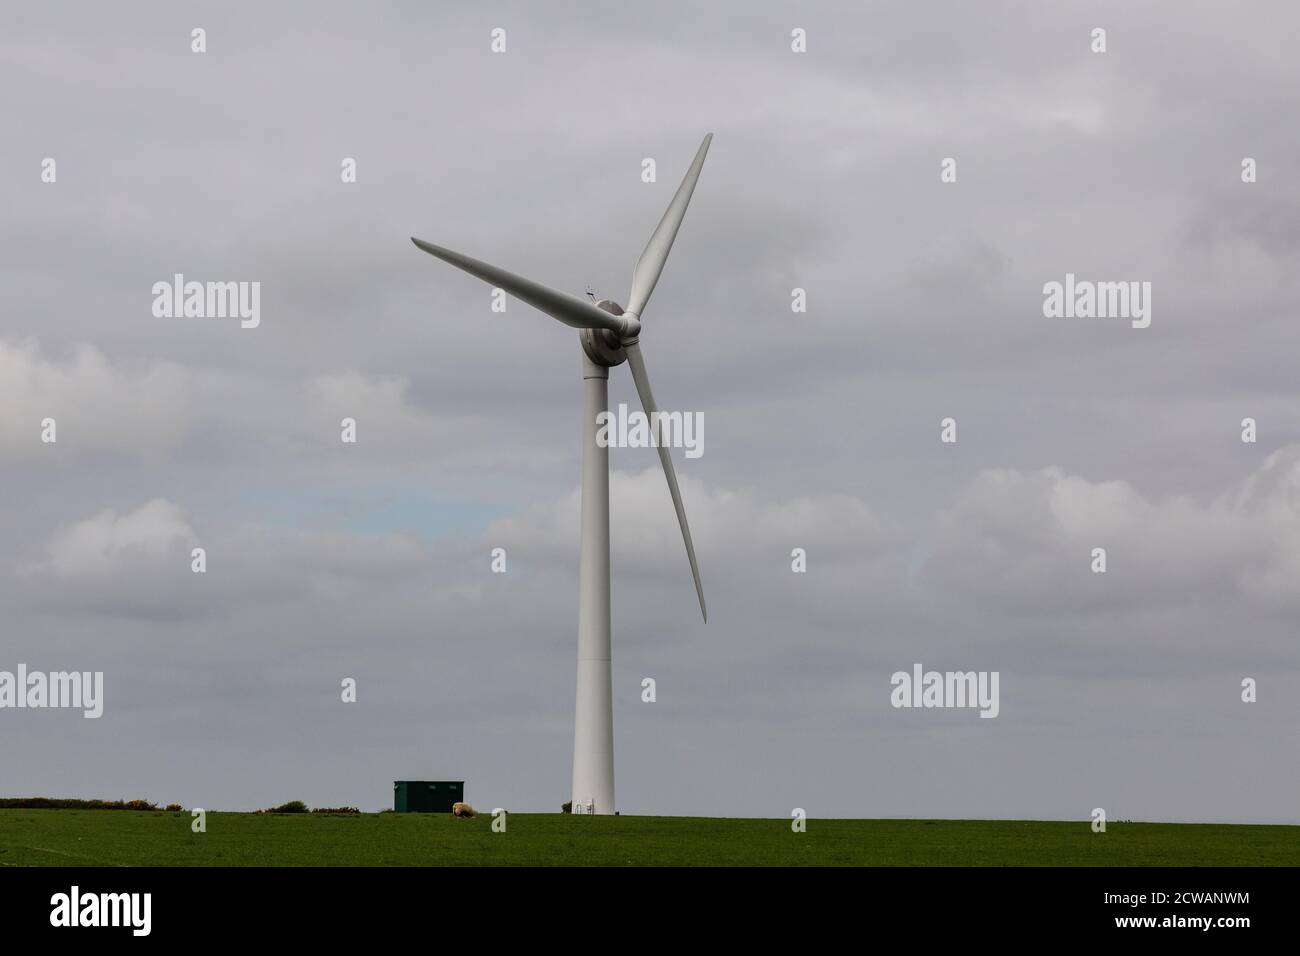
[(332, 905)]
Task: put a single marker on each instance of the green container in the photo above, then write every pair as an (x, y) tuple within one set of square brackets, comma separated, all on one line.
[(427, 796)]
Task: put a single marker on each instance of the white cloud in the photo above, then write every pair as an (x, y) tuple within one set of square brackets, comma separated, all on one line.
[(723, 522), (95, 403), (100, 544), (378, 404), (1025, 538), (128, 408)]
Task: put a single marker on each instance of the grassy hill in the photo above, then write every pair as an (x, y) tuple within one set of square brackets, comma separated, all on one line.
[(116, 838)]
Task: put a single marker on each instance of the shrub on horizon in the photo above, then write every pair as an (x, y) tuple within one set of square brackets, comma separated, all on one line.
[(293, 806), (55, 803)]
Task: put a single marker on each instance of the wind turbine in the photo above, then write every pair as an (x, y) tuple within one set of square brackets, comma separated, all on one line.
[(609, 335)]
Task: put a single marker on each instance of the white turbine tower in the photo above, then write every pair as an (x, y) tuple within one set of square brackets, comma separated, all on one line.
[(609, 335)]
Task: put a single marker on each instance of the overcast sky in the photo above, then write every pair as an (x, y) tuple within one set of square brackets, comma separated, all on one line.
[(1119, 690)]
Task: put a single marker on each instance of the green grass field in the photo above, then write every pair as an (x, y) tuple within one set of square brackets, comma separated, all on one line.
[(129, 838)]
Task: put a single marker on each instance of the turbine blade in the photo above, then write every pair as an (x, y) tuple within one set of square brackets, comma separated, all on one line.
[(637, 365), (558, 305), (651, 263)]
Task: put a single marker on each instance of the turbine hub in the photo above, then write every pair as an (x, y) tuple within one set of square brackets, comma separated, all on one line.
[(601, 345)]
